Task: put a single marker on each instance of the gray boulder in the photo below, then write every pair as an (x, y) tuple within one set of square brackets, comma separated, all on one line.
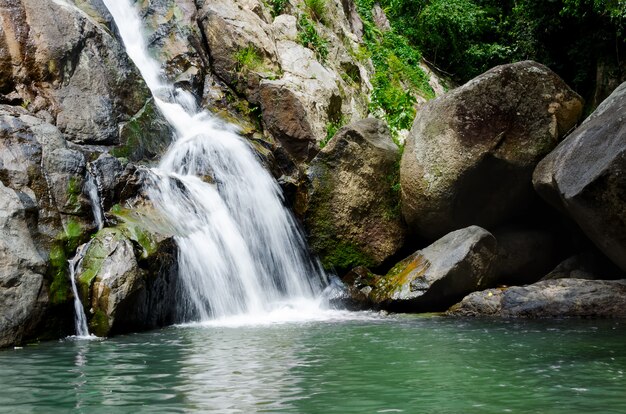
[(71, 68), (350, 208), (551, 298), (585, 177), (126, 278), (470, 154), (23, 295), (431, 279)]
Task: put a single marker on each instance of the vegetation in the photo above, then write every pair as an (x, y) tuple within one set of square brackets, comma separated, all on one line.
[(316, 9), (467, 37), (331, 129), (248, 59), (308, 37), (277, 6), (398, 79)]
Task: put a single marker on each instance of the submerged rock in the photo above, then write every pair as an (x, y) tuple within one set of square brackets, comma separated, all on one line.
[(470, 154), (431, 279), (585, 177), (350, 208), (551, 298)]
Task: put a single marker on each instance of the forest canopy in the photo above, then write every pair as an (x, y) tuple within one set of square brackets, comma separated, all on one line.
[(466, 37)]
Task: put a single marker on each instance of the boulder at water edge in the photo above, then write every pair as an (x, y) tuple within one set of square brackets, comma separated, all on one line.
[(431, 279), (350, 208), (550, 298), (126, 280), (586, 176), (470, 154)]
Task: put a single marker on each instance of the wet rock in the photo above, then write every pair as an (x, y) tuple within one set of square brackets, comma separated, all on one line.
[(470, 154), (177, 40), (350, 208), (585, 177), (431, 279), (551, 298), (126, 278)]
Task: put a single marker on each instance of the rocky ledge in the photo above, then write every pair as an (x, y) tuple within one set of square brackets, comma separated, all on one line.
[(550, 298)]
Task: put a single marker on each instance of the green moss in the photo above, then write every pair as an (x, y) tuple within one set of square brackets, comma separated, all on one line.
[(57, 273), (73, 191), (345, 255), (99, 323)]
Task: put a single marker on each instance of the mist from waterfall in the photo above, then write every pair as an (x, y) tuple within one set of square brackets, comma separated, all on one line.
[(240, 250)]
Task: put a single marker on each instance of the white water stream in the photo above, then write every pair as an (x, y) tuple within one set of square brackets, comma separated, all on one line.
[(240, 250), (80, 319)]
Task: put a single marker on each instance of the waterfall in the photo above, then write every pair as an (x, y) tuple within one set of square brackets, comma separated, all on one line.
[(94, 196), (240, 250), (80, 319)]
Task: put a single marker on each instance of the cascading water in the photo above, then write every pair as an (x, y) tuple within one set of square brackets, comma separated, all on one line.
[(240, 251), (91, 186), (80, 319)]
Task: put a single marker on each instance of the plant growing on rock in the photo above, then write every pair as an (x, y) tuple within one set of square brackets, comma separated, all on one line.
[(310, 38), (316, 9), (248, 59)]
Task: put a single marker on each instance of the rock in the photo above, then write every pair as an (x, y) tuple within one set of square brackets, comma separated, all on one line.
[(23, 295), (55, 61), (177, 40), (380, 18), (524, 255), (470, 154), (551, 298), (590, 265), (431, 279), (126, 277), (240, 45), (585, 176), (135, 144), (354, 20), (350, 208)]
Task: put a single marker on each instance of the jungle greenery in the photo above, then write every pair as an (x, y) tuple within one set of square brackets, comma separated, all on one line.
[(467, 37)]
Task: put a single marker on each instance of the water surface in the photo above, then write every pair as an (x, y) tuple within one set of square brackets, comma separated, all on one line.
[(366, 364)]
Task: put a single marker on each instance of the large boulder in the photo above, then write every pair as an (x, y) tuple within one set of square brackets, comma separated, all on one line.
[(431, 279), (350, 208), (23, 295), (585, 176), (177, 40), (68, 68), (551, 298), (470, 154), (126, 279)]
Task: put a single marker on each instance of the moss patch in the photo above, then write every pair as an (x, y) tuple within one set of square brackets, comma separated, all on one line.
[(99, 323)]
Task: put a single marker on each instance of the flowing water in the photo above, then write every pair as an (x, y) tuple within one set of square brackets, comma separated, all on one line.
[(80, 319), (350, 363), (240, 251)]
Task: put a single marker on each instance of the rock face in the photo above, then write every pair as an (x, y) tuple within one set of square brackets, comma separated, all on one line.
[(470, 154), (127, 277), (433, 278), (23, 297), (69, 67), (40, 222), (585, 176), (551, 298), (350, 208)]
